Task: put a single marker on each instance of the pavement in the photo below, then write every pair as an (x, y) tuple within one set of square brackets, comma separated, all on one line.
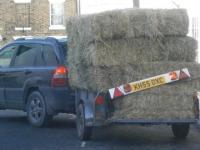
[(17, 134)]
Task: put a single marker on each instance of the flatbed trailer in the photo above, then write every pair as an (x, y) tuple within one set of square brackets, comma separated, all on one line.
[(94, 109)]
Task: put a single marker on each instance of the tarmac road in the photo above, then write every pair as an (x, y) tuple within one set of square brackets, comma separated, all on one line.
[(17, 134)]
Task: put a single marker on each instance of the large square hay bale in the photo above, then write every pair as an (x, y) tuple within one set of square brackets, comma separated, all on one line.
[(128, 23), (98, 78), (126, 51)]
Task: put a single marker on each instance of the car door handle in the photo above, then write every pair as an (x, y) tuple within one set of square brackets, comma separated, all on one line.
[(27, 72)]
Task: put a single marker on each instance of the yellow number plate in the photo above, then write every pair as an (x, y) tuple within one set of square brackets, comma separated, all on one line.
[(146, 84)]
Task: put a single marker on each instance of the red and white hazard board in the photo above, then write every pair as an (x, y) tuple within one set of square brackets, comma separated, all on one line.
[(149, 83)]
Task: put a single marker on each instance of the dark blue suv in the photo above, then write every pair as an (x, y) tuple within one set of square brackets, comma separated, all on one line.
[(34, 78)]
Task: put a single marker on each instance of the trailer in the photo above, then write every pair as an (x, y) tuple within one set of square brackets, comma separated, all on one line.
[(94, 109)]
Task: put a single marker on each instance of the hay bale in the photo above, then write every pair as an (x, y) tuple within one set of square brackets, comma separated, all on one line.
[(104, 78), (148, 105), (128, 23), (126, 51)]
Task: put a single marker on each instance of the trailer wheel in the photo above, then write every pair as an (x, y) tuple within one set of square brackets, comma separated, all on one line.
[(180, 131), (84, 132)]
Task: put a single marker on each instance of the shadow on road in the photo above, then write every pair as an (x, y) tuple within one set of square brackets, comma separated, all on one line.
[(140, 136), (61, 121), (14, 119)]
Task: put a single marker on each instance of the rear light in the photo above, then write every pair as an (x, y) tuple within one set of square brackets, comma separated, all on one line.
[(99, 100), (100, 109), (60, 76)]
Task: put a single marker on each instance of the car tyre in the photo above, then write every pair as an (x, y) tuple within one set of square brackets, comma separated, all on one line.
[(180, 131), (36, 110), (84, 132)]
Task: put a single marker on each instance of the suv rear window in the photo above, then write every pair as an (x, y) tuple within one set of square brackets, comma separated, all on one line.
[(49, 56)]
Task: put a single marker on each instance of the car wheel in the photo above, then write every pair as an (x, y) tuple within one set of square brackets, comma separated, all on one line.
[(180, 131), (36, 110), (84, 132)]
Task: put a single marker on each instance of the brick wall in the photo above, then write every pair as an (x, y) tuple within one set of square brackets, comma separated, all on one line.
[(38, 18)]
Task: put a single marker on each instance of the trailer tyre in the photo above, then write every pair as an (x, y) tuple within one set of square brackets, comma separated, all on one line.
[(84, 132), (180, 131)]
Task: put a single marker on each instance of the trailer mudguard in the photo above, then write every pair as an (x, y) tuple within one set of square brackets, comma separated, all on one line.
[(87, 99)]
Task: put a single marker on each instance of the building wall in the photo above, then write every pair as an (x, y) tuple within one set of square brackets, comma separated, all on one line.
[(14, 15)]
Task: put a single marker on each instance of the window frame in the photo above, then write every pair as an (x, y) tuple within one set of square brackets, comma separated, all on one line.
[(51, 26)]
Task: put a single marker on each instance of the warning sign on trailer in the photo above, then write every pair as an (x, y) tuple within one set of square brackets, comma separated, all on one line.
[(149, 83)]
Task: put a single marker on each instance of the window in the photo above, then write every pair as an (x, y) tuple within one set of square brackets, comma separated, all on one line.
[(39, 60), (26, 54), (49, 56), (22, 1), (6, 55), (22, 16), (56, 14)]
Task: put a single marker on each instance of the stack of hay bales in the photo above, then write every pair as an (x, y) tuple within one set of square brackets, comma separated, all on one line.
[(121, 46)]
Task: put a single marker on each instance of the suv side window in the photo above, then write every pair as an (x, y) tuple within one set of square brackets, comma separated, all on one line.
[(49, 56), (25, 56), (6, 55), (39, 60)]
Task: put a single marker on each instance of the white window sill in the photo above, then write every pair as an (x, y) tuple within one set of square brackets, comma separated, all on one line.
[(57, 27), (1, 38), (22, 1), (26, 37), (22, 28), (56, 1)]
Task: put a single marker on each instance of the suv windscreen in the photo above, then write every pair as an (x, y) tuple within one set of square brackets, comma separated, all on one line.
[(26, 54)]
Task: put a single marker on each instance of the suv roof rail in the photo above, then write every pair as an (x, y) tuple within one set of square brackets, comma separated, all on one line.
[(47, 39), (20, 39), (51, 39)]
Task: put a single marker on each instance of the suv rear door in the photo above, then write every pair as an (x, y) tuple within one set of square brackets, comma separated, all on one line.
[(20, 70)]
